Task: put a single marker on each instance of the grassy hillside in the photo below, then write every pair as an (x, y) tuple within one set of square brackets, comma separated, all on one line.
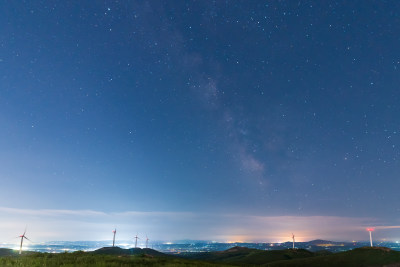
[(299, 257), (131, 251), (83, 259), (358, 257), (7, 252), (12, 252), (240, 255)]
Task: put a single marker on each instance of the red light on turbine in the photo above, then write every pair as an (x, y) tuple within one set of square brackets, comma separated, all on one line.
[(370, 229)]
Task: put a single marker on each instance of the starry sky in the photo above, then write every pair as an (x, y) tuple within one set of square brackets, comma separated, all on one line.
[(187, 119)]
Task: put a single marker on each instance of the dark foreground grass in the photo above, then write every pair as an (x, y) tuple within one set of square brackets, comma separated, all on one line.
[(243, 256), (353, 258), (82, 259)]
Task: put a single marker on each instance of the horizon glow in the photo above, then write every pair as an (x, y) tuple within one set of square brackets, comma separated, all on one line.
[(53, 225)]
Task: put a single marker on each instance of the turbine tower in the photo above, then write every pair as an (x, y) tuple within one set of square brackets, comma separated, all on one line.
[(147, 241), (114, 232), (22, 240), (293, 239), (136, 237), (370, 230)]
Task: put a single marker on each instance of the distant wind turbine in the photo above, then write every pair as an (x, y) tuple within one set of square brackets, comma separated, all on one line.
[(147, 241), (22, 240), (114, 232), (293, 239), (370, 230), (136, 237)]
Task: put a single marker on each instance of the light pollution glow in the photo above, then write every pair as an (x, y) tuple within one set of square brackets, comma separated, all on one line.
[(73, 225)]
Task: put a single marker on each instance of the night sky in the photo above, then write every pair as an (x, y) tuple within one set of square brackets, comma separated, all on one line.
[(200, 119)]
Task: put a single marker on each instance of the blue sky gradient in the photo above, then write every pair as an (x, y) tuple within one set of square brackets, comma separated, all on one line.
[(246, 108)]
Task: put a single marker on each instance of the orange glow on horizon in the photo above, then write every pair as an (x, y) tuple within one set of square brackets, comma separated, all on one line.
[(233, 242), (278, 238)]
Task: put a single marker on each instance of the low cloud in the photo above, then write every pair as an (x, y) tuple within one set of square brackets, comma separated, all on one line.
[(387, 227)]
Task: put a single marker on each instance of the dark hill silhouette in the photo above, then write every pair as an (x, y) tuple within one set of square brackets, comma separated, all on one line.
[(237, 249), (130, 251), (366, 256), (242, 255), (8, 252), (12, 252), (111, 251)]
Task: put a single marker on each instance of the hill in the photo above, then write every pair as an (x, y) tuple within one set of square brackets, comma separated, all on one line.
[(377, 256), (132, 251), (4, 252), (242, 255), (99, 259), (366, 256), (7, 252)]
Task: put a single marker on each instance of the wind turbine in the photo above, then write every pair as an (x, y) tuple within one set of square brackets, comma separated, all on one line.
[(22, 240), (370, 230), (136, 237), (293, 239), (114, 232), (147, 241)]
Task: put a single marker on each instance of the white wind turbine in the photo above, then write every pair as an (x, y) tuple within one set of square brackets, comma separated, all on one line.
[(136, 238), (147, 241), (114, 232), (22, 240), (293, 239), (370, 230)]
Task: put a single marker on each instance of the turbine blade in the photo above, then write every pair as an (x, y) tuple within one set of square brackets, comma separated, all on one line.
[(27, 238)]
